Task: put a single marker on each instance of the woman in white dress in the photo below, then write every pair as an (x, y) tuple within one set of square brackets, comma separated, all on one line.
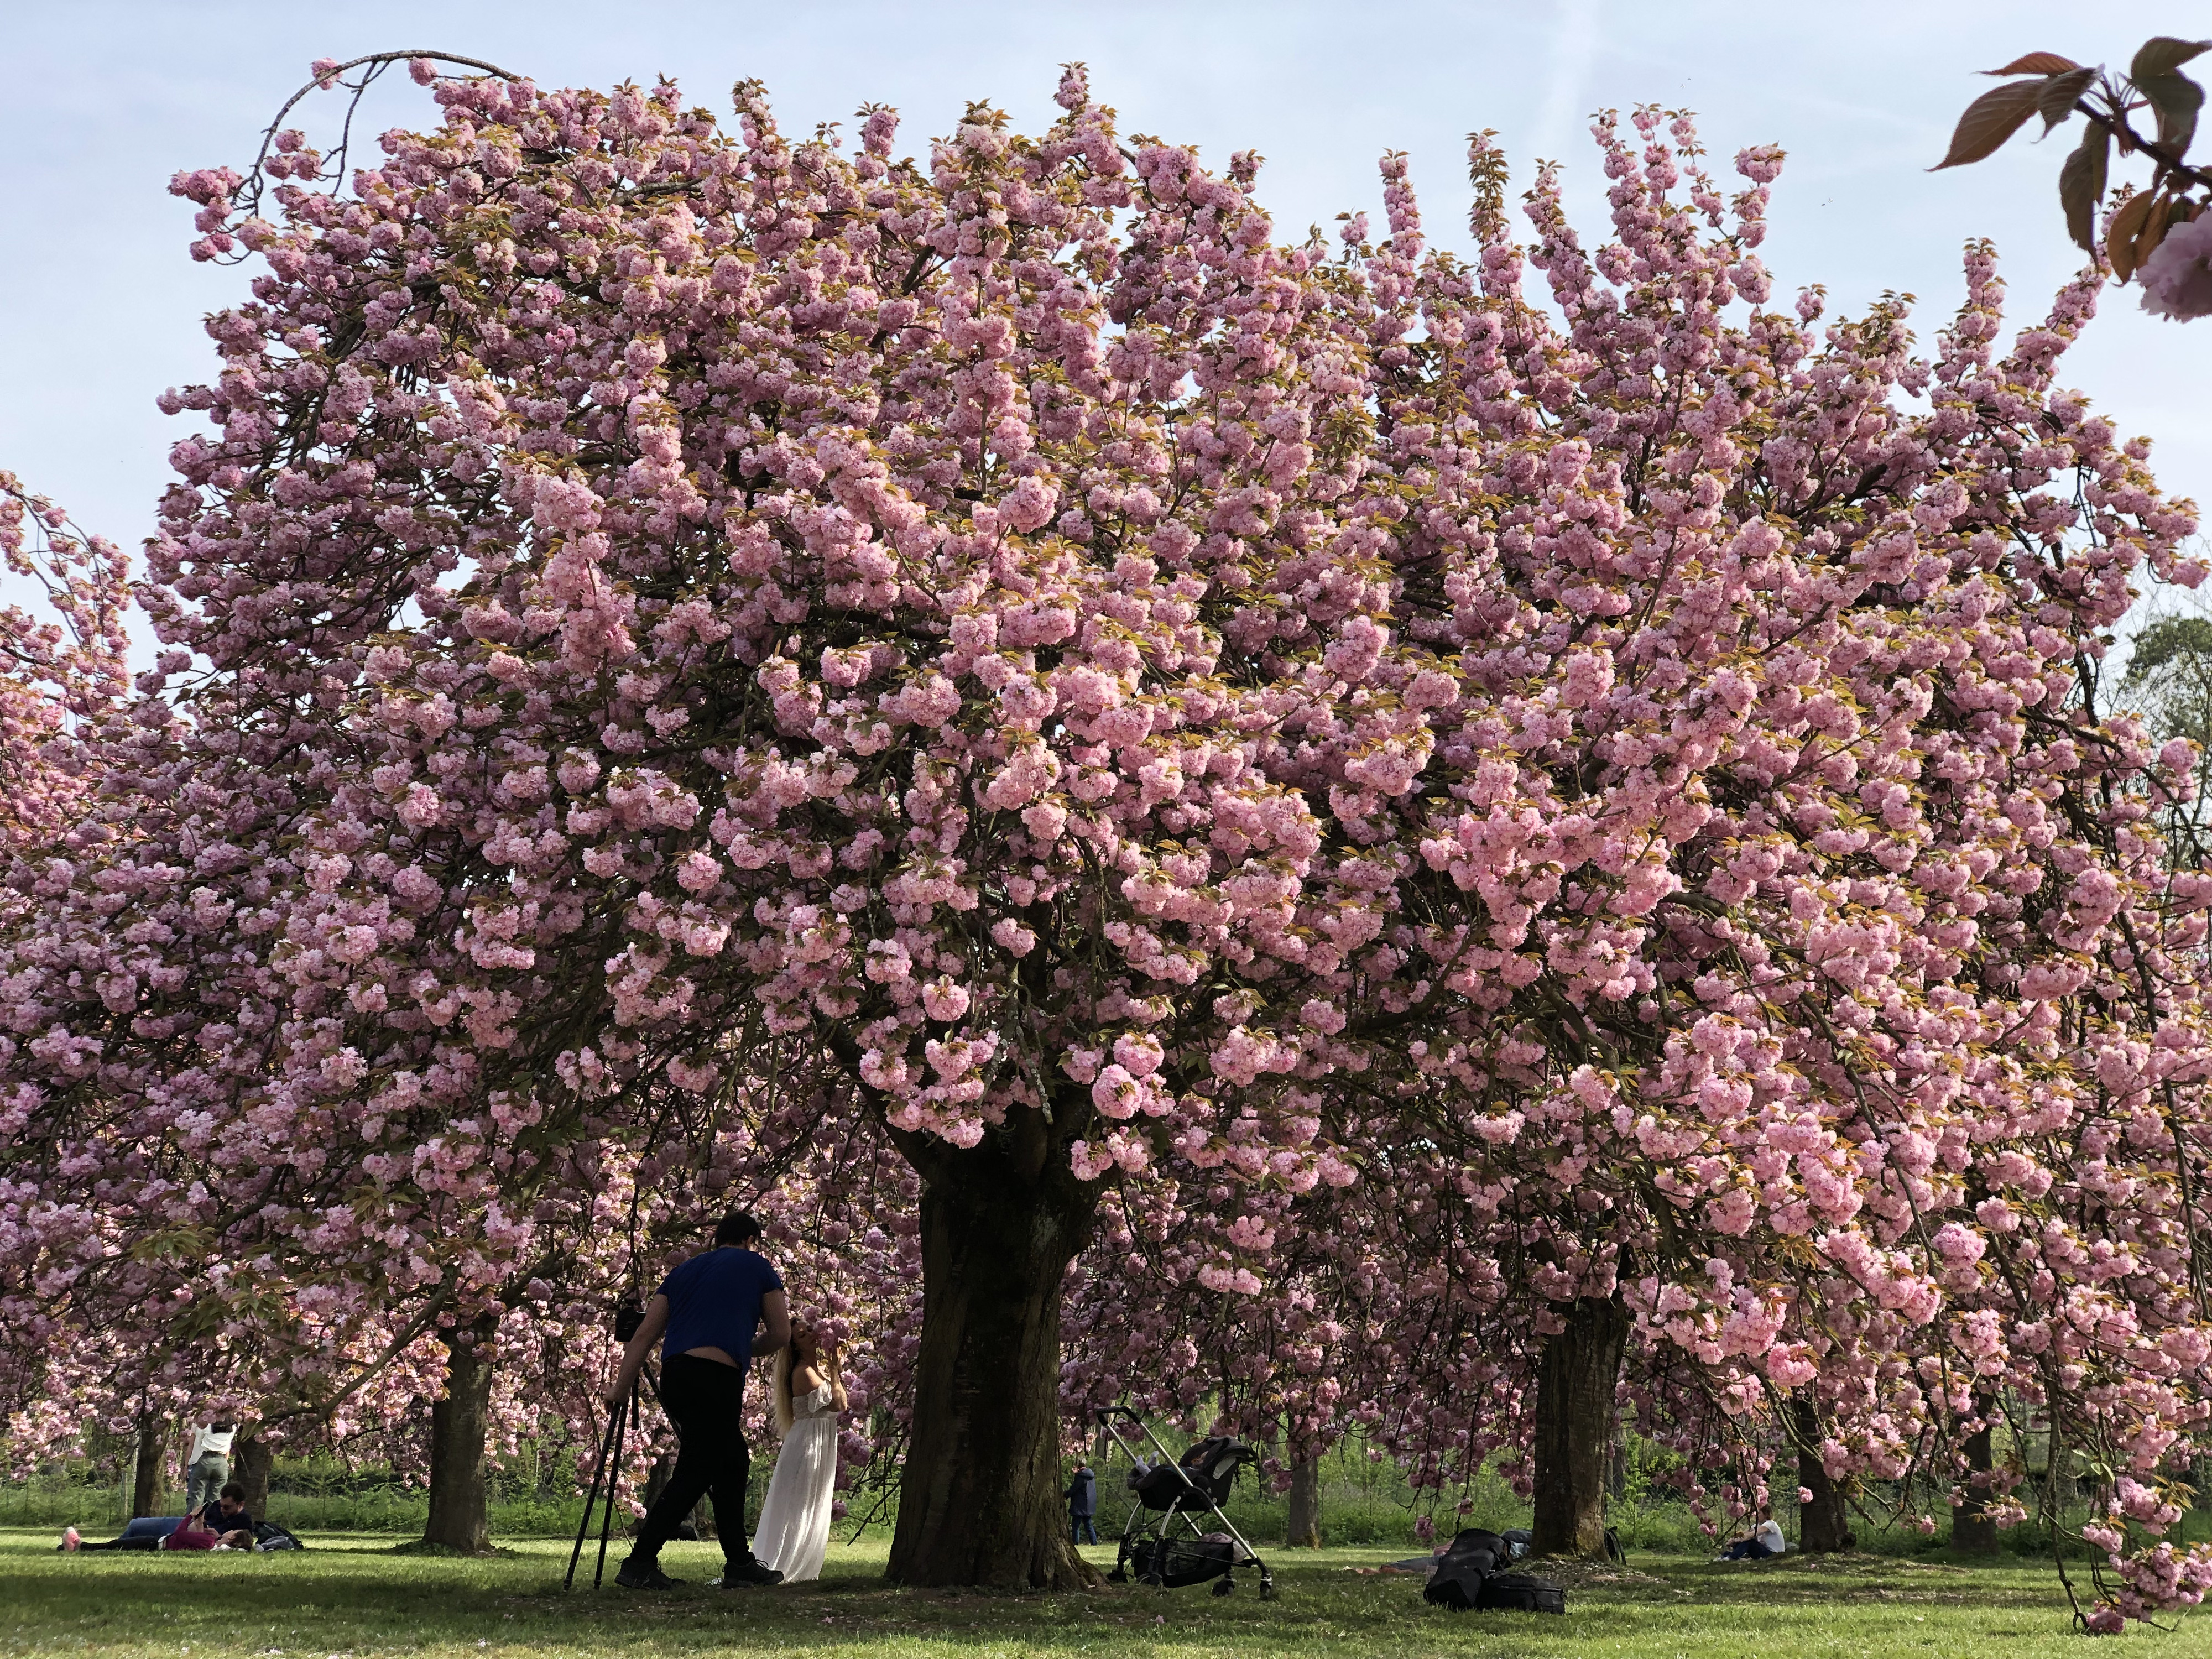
[(794, 1533)]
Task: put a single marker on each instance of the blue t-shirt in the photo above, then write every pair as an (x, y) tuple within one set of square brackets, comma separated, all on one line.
[(714, 1302)]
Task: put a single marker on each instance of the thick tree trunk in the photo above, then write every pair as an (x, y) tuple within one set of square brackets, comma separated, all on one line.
[(146, 1477), (1304, 1528), (250, 1466), (1823, 1525), (458, 1422), (1574, 1427), (980, 1496), (1972, 1532)]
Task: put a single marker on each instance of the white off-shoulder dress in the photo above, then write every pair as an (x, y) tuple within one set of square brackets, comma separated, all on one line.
[(793, 1533)]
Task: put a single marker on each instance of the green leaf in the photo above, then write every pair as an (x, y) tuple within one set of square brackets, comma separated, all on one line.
[(2081, 184), (1989, 121), (2054, 101), (2177, 99), (2036, 63), (2162, 54)]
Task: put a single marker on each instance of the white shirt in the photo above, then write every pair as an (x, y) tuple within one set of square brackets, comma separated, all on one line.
[(1769, 1537), (209, 1441)]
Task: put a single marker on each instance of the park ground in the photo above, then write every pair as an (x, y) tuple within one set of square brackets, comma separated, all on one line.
[(350, 1597)]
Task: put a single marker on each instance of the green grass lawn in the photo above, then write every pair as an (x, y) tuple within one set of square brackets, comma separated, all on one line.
[(350, 1597)]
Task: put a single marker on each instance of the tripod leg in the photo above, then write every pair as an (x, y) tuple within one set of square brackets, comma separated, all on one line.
[(628, 1410), (592, 1497)]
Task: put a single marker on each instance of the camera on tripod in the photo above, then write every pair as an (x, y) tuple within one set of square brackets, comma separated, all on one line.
[(627, 1320)]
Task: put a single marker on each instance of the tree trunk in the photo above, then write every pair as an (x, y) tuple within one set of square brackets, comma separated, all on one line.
[(1972, 1532), (1304, 1529), (146, 1477), (250, 1468), (457, 1423), (1575, 1389), (1823, 1525), (980, 1496)]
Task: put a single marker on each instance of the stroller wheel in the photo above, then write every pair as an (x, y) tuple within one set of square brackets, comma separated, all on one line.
[(1117, 1576), (1267, 1587), (1224, 1587)]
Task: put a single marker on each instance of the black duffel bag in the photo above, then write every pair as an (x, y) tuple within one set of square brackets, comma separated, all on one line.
[(1461, 1570), (1520, 1592)]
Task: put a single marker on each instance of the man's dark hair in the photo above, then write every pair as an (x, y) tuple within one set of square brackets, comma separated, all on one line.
[(738, 1227), (234, 1490)]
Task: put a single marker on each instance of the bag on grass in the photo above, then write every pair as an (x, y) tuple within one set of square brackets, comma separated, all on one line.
[(271, 1536), (1174, 1563), (1460, 1570), (1520, 1592)]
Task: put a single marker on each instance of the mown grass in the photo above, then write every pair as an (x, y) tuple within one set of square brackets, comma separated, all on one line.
[(353, 1598)]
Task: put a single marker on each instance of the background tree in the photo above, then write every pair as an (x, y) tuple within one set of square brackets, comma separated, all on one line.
[(2169, 677)]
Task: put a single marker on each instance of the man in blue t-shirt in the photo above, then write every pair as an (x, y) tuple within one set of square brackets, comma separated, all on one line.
[(708, 1310)]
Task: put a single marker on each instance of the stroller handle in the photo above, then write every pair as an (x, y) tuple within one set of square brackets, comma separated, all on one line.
[(1107, 1416)]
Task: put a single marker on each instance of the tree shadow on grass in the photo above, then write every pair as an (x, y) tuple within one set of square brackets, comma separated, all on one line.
[(358, 1596)]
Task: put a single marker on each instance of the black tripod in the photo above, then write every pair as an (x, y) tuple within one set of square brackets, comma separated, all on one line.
[(626, 1412)]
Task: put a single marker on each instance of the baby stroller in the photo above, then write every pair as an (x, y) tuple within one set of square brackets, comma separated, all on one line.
[(1162, 1544)]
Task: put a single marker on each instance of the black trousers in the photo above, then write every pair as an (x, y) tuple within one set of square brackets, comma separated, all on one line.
[(706, 1402)]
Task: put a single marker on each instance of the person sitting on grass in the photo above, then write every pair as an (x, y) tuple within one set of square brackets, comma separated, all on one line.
[(223, 1524), (1763, 1540)]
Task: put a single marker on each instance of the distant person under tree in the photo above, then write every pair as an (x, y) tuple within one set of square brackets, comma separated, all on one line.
[(1083, 1506), (207, 1464)]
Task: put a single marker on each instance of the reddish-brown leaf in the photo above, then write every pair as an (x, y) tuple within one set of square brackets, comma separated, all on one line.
[(2054, 99), (2169, 213), (2037, 63), (1989, 121), (2162, 54), (2081, 185), (2177, 99), (2120, 235)]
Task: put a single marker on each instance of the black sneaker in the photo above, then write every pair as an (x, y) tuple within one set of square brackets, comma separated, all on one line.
[(645, 1575), (747, 1574)]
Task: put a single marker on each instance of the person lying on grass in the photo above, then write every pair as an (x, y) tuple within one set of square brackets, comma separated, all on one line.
[(223, 1524)]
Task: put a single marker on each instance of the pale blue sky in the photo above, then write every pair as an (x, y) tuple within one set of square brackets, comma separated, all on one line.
[(100, 307)]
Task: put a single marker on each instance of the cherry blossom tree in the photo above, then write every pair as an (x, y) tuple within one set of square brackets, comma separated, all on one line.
[(1578, 843)]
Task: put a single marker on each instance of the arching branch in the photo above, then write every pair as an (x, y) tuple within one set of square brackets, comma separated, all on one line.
[(248, 197)]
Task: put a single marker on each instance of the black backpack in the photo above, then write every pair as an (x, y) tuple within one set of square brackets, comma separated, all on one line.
[(1520, 1592), (271, 1536), (1471, 1577), (1471, 1558)]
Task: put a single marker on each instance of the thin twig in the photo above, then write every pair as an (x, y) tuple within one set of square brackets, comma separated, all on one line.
[(248, 197)]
